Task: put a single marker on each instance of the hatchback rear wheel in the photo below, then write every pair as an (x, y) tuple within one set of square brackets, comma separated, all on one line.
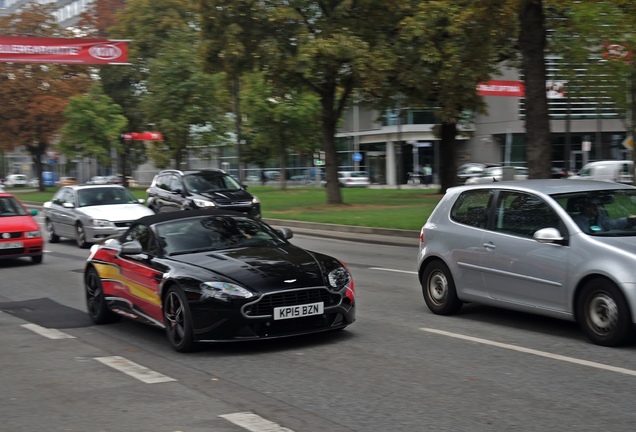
[(603, 314)]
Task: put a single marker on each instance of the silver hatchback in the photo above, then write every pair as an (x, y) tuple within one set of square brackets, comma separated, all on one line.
[(561, 248)]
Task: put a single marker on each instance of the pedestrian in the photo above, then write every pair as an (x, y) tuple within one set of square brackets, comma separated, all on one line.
[(428, 175), (263, 178)]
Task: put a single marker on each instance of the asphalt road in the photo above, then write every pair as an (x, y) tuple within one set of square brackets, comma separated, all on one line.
[(397, 368)]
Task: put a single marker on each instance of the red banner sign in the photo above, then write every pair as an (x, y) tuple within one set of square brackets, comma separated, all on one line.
[(501, 88), (142, 136), (22, 49)]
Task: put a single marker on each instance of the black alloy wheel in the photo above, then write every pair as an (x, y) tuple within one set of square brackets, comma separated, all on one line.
[(95, 300), (178, 320)]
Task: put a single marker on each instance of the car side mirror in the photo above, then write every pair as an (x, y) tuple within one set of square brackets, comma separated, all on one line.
[(131, 248), (549, 235), (285, 233)]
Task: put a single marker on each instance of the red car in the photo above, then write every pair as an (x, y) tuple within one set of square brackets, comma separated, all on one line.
[(20, 234)]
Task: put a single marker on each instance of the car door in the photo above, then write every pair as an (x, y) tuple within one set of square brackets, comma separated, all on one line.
[(516, 268), (142, 275), (463, 241), (170, 195)]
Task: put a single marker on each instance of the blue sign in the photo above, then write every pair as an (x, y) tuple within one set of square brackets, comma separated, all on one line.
[(357, 157)]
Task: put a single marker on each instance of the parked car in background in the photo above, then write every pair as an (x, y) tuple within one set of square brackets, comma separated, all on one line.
[(173, 190), (67, 181), (16, 180), (493, 174), (560, 248), (90, 213), (471, 169), (98, 180), (115, 179), (354, 178), (20, 234), (33, 182), (620, 171), (216, 275)]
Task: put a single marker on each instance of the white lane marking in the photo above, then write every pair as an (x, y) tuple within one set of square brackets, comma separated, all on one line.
[(534, 352), (134, 370), (392, 270), (254, 423), (47, 332)]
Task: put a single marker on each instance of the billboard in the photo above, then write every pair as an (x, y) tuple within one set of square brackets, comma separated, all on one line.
[(25, 49)]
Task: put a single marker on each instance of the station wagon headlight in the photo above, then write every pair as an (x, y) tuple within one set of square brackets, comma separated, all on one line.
[(33, 234), (255, 200), (224, 291), (339, 278), (203, 203), (101, 223)]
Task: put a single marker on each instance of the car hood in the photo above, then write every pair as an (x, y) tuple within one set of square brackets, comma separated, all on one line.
[(626, 244), (117, 212), (18, 223), (263, 269)]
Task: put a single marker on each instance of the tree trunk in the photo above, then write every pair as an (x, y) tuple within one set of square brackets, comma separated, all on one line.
[(447, 169), (334, 195), (36, 153), (532, 43)]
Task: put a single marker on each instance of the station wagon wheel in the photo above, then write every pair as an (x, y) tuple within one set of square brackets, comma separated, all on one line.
[(50, 232), (37, 259), (95, 300), (178, 320), (80, 236), (603, 314), (438, 288)]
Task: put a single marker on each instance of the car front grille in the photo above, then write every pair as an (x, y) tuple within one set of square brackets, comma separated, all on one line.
[(123, 224), (264, 307), (11, 235)]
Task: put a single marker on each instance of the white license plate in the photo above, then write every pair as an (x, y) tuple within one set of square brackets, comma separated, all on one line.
[(287, 312), (11, 245)]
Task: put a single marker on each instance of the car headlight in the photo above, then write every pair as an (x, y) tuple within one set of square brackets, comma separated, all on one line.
[(33, 234), (203, 203), (101, 223), (255, 200), (224, 291), (339, 278)]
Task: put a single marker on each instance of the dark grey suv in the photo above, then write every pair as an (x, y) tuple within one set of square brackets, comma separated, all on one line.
[(173, 190)]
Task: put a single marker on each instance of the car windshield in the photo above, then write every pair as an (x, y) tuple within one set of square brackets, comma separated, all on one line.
[(10, 207), (210, 182), (105, 196), (212, 233), (605, 213)]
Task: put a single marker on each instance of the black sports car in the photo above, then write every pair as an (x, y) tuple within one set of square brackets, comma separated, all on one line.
[(210, 275)]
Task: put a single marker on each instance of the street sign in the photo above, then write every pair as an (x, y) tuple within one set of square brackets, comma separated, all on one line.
[(319, 158), (357, 157)]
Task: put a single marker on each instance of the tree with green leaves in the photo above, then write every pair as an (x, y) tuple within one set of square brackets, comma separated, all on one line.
[(94, 124), (597, 39), (34, 96), (444, 49), (179, 96), (233, 32), (327, 48), (279, 122)]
